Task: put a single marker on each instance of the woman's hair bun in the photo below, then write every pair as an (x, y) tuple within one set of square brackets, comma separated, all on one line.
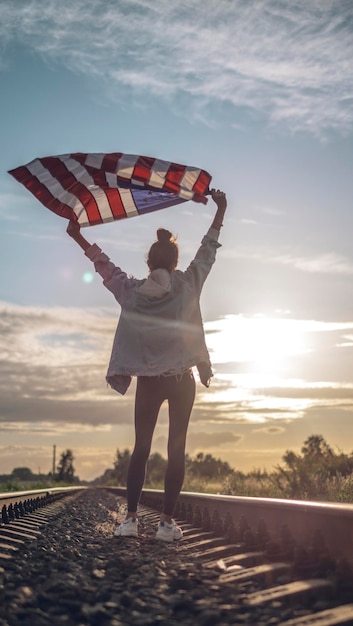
[(164, 236), (163, 252)]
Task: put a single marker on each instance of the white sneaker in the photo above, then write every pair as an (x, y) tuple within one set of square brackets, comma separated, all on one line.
[(168, 532), (128, 528)]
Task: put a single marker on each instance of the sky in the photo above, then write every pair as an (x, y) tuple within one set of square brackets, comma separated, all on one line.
[(259, 94)]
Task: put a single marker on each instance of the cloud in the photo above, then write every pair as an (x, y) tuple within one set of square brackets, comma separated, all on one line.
[(226, 413), (325, 263), (201, 440), (272, 211), (49, 428), (213, 440), (53, 364), (52, 368), (270, 430), (247, 221), (52, 385), (329, 263), (288, 61), (324, 391)]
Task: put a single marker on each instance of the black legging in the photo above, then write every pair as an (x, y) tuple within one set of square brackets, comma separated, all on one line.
[(151, 391)]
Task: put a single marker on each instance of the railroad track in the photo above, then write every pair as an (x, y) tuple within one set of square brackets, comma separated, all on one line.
[(24, 513), (242, 560)]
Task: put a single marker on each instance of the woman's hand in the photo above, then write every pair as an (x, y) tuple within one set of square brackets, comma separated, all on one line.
[(219, 198), (73, 229)]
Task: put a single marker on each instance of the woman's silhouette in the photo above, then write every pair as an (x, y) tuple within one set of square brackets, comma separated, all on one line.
[(159, 339)]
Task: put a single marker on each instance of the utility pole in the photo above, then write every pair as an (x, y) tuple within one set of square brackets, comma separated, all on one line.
[(54, 460)]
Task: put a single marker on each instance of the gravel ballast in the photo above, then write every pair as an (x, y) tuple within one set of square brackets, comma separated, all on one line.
[(77, 573)]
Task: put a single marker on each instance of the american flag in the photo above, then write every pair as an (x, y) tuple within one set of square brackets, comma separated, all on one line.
[(95, 188)]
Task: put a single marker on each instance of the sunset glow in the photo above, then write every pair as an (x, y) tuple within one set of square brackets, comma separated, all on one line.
[(264, 343)]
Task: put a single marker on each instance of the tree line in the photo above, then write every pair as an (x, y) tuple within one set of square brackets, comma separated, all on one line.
[(203, 466), (317, 472)]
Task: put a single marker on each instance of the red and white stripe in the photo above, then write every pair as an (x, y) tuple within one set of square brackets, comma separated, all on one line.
[(85, 187)]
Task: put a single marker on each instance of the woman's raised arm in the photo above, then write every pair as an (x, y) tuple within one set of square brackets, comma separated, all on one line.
[(74, 231), (220, 198)]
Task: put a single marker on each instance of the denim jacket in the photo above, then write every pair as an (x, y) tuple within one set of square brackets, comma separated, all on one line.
[(158, 335)]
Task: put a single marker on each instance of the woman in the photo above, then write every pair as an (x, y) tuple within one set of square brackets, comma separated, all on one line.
[(159, 339)]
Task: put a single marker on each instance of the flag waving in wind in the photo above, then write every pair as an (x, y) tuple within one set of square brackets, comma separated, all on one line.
[(96, 188)]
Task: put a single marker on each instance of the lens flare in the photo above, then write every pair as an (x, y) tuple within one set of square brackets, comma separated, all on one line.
[(88, 277)]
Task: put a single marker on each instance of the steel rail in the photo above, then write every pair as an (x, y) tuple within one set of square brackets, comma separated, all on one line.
[(325, 527), (17, 504)]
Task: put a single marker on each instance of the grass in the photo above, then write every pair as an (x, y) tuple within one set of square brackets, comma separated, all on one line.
[(15, 485), (256, 484)]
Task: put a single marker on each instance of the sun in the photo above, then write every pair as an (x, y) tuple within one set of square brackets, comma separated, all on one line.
[(264, 343)]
